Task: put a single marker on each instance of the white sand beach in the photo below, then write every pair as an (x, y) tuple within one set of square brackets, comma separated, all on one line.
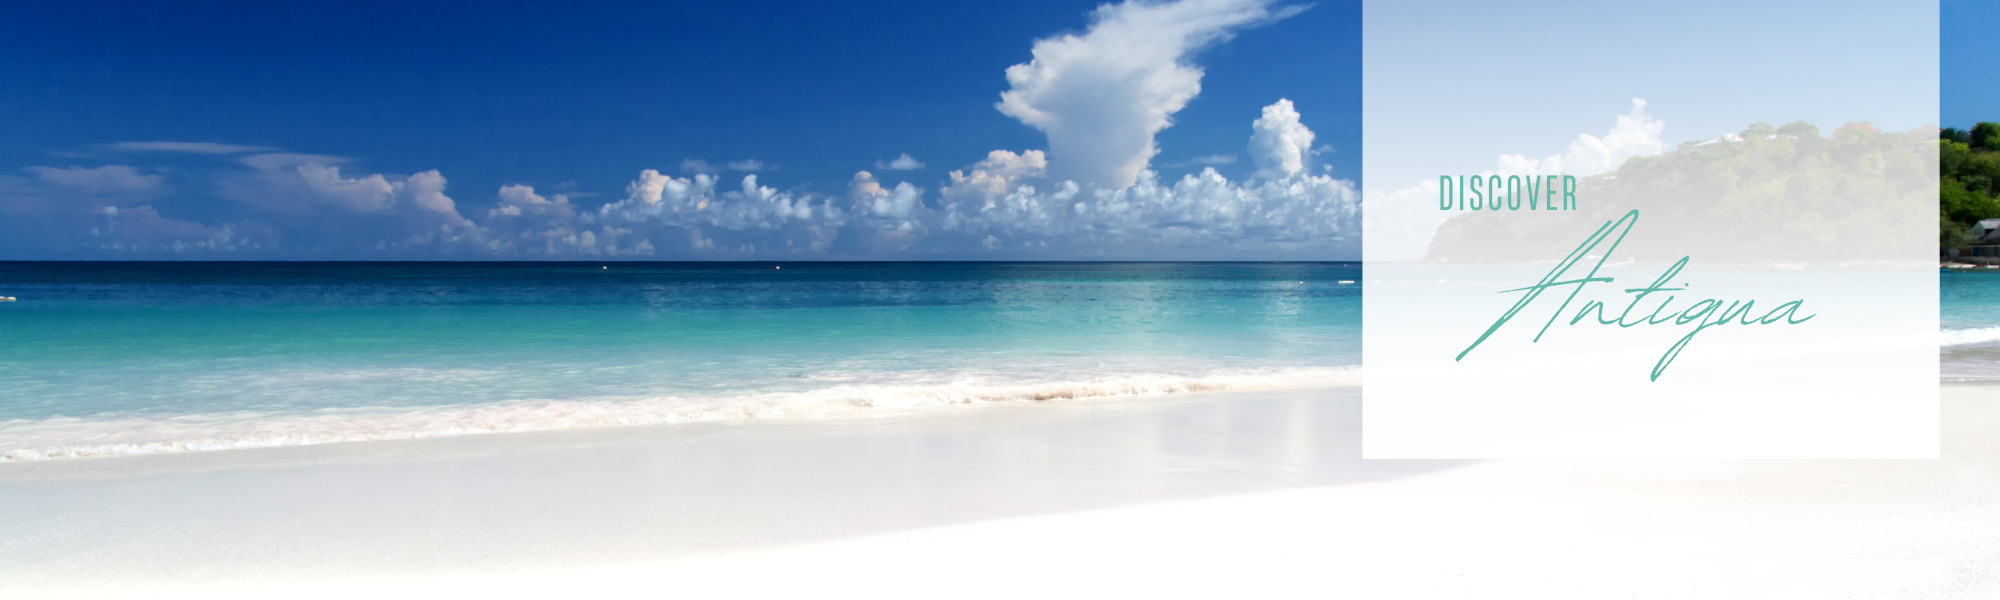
[(1198, 495)]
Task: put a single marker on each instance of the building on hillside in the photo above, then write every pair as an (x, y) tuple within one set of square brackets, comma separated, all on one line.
[(1985, 237)]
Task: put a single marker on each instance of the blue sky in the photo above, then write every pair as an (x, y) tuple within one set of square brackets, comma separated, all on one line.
[(393, 130), (1969, 91), (1529, 77)]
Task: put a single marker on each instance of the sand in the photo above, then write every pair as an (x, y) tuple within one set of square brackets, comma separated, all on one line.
[(1215, 495)]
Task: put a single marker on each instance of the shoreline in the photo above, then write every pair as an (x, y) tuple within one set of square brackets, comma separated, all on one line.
[(952, 417), (475, 505), (1216, 493), (184, 434)]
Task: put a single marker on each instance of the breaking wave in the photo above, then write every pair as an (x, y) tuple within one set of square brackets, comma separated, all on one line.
[(67, 437), (1960, 337)]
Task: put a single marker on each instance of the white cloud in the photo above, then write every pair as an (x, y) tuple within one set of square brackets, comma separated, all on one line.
[(756, 206), (994, 197), (100, 180), (699, 201), (655, 203), (363, 194), (300, 193), (896, 205), (751, 165), (516, 200), (187, 147), (1101, 96), (526, 222), (995, 176), (694, 165), (283, 176), (1634, 134), (902, 163), (1004, 201), (1280, 144), (1214, 159), (426, 191), (1209, 210), (649, 188), (1288, 209), (1202, 211)]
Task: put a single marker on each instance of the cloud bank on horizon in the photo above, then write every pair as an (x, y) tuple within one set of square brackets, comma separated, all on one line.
[(1100, 96)]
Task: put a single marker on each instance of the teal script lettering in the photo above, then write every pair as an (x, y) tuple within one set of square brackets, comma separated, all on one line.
[(1704, 314)]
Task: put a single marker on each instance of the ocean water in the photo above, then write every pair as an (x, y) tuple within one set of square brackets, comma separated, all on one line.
[(115, 358), (1969, 317)]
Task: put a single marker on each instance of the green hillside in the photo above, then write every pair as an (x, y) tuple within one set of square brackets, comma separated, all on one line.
[(1968, 180), (1764, 195)]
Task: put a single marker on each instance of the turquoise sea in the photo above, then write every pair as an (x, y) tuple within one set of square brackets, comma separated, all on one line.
[(1969, 315), (114, 358)]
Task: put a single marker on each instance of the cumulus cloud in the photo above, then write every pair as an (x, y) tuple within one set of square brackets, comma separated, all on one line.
[(1101, 96), (426, 192), (1634, 134), (516, 200), (365, 194), (902, 163), (649, 188), (99, 180), (994, 195), (1008, 202), (313, 204), (527, 223), (1203, 211), (1281, 144), (995, 176), (376, 193), (783, 221), (187, 147), (1208, 210), (1010, 197), (896, 205)]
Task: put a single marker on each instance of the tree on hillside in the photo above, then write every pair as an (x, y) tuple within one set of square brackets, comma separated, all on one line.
[(1799, 130), (1985, 135), (1968, 181)]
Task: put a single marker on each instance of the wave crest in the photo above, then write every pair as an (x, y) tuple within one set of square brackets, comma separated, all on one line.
[(1960, 337), (55, 438)]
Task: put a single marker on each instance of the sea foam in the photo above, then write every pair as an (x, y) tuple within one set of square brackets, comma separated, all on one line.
[(1960, 337), (70, 437)]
